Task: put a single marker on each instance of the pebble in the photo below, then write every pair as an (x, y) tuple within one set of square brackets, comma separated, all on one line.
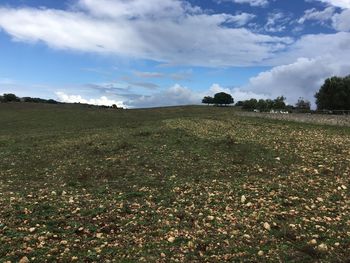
[(171, 239), (267, 226), (24, 260), (261, 253), (322, 247)]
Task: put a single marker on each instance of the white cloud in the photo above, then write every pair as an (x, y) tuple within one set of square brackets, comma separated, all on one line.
[(63, 97), (337, 3), (170, 31), (341, 22), (276, 22), (315, 15), (175, 95), (241, 19), (250, 2), (299, 79)]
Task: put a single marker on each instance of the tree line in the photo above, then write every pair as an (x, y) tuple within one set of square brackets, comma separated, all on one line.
[(10, 97), (333, 95)]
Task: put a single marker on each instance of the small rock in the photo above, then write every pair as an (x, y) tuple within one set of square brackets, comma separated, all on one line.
[(24, 260), (337, 244), (261, 253), (267, 226), (319, 199), (32, 229), (211, 218), (99, 235), (313, 242), (243, 199), (74, 258), (171, 239), (322, 247), (162, 255)]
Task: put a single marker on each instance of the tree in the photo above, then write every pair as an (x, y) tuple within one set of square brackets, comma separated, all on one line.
[(303, 105), (278, 103), (9, 97), (223, 98), (208, 100), (251, 104), (114, 106), (334, 94), (262, 105)]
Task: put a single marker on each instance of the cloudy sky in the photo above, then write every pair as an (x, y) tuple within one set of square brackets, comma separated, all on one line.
[(144, 53)]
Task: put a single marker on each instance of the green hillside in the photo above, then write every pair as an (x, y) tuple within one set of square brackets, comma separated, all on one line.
[(198, 184)]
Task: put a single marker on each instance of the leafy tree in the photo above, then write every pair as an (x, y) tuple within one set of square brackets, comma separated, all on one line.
[(114, 106), (250, 104), (279, 104), (1, 99), (239, 103), (208, 100), (303, 105), (9, 97), (223, 98), (334, 94), (262, 105)]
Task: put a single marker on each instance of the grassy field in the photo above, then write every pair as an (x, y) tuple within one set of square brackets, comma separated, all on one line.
[(194, 184)]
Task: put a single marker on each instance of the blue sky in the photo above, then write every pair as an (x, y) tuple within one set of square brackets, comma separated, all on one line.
[(140, 53)]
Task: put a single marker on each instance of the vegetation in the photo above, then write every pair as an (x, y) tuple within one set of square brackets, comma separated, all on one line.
[(194, 184), (303, 105), (220, 98), (263, 105), (9, 97), (334, 94)]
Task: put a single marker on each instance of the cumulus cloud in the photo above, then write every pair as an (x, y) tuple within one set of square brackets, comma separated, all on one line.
[(170, 31), (341, 22), (175, 95), (105, 101), (299, 79)]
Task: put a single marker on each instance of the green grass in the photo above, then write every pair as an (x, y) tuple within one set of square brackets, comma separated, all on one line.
[(167, 184)]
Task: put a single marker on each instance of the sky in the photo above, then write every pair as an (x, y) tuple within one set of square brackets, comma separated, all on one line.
[(149, 53)]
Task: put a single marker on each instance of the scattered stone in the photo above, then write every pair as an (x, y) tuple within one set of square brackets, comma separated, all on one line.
[(171, 239), (267, 226), (313, 242), (322, 247), (24, 260), (243, 199), (261, 253)]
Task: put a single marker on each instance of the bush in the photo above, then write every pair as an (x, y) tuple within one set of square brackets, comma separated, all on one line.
[(9, 97)]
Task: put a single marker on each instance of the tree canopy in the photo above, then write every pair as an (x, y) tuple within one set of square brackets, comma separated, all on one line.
[(220, 98), (223, 98), (334, 94)]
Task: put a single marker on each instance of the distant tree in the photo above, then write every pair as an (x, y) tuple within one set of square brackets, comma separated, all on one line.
[(208, 100), (9, 97), (114, 106), (1, 98), (251, 104), (279, 104), (262, 105), (239, 103), (334, 94), (51, 101), (303, 105), (223, 98)]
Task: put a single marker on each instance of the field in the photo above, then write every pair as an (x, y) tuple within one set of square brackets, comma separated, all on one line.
[(193, 184)]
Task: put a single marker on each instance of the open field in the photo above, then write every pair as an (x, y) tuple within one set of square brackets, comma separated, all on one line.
[(337, 120), (194, 184)]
